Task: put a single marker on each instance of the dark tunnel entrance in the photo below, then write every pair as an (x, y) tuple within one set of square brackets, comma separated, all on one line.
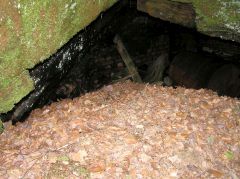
[(194, 60), (191, 59)]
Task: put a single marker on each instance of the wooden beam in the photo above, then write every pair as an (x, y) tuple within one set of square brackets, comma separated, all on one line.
[(127, 59)]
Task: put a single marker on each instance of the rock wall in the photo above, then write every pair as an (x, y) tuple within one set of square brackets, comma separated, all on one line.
[(30, 31), (218, 18)]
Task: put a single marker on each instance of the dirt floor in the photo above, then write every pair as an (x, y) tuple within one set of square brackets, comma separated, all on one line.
[(127, 130)]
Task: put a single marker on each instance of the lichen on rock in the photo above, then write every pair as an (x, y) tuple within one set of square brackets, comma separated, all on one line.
[(1, 127), (30, 31), (218, 18)]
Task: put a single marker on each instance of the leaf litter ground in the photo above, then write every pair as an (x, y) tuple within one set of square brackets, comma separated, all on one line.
[(127, 130)]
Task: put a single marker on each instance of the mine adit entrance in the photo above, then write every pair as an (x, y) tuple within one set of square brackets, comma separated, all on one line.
[(161, 52)]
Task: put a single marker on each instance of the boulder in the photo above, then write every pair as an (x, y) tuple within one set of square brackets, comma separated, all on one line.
[(30, 32), (218, 18)]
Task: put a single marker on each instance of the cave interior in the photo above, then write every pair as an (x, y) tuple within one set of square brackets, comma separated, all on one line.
[(194, 60)]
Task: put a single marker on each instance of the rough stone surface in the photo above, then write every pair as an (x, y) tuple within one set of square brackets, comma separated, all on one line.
[(30, 31), (219, 18), (47, 75), (1, 127)]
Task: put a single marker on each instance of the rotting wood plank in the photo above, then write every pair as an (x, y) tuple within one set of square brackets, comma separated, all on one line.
[(127, 59)]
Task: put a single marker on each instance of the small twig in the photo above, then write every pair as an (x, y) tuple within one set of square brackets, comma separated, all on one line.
[(52, 150), (44, 154), (32, 165), (124, 78)]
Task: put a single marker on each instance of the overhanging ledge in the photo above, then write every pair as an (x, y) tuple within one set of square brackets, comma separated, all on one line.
[(216, 18)]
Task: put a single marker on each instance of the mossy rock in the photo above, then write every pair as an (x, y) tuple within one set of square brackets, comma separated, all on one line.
[(30, 31), (1, 127), (218, 18)]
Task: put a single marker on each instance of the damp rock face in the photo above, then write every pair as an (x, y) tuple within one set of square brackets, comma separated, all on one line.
[(30, 31), (218, 18), (48, 74)]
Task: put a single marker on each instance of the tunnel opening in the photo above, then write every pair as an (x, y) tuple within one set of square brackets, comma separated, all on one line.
[(193, 60)]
